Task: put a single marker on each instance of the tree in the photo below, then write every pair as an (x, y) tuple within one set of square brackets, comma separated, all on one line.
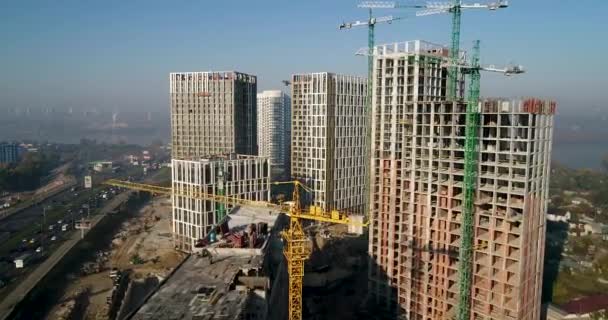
[(599, 315), (604, 163), (28, 173)]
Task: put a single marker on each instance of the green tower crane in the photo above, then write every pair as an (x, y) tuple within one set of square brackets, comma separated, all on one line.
[(470, 182), (465, 267), (472, 117), (455, 8), (371, 24), (220, 207), (221, 191)]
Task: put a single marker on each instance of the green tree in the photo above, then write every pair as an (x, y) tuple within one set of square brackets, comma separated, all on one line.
[(28, 173), (599, 315), (605, 163)]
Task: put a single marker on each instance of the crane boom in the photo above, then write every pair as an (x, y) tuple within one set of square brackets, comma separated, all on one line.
[(387, 5), (312, 213), (370, 22), (455, 8)]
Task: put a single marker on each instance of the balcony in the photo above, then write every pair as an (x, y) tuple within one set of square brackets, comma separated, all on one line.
[(514, 240), (516, 203)]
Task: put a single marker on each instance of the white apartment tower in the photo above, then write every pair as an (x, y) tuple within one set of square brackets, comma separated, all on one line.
[(416, 195), (212, 113), (328, 138), (274, 131), (240, 176)]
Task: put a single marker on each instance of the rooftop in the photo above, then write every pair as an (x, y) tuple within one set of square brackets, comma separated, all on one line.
[(407, 47), (586, 304), (225, 157), (203, 290), (227, 280)]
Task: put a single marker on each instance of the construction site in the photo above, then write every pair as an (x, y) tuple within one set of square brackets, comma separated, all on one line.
[(413, 197)]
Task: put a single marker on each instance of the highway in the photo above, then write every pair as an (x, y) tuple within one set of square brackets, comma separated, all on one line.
[(9, 303), (37, 199)]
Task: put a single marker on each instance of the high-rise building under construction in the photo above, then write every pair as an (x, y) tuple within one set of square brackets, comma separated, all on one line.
[(213, 113), (328, 138), (418, 141)]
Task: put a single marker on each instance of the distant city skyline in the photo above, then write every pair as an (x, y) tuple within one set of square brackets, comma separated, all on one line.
[(116, 54)]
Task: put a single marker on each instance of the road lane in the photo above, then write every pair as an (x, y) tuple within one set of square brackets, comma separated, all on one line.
[(13, 298)]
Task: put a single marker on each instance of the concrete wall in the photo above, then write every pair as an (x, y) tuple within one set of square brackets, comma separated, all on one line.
[(244, 177)]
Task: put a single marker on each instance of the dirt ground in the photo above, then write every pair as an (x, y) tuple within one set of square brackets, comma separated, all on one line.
[(143, 245), (149, 238)]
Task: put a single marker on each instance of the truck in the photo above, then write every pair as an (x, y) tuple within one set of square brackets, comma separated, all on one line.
[(21, 261)]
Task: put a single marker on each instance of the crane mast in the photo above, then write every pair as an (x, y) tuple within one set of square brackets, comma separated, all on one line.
[(371, 25), (295, 250), (454, 51), (465, 265), (470, 181)]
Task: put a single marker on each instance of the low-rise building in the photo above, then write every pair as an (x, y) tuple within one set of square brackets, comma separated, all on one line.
[(557, 217), (229, 278), (101, 166), (239, 176), (586, 308), (9, 153)]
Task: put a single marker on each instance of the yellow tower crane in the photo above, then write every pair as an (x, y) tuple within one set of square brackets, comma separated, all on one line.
[(295, 250)]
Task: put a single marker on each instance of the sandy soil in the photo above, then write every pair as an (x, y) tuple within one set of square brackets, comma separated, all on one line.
[(149, 237)]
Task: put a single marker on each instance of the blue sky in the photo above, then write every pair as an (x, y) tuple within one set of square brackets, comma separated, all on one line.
[(118, 53)]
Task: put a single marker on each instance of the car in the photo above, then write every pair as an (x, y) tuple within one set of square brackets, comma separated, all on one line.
[(32, 240), (60, 222), (39, 249), (53, 238), (51, 227)]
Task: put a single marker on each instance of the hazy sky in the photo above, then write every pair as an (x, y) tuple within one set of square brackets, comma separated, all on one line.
[(117, 54)]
